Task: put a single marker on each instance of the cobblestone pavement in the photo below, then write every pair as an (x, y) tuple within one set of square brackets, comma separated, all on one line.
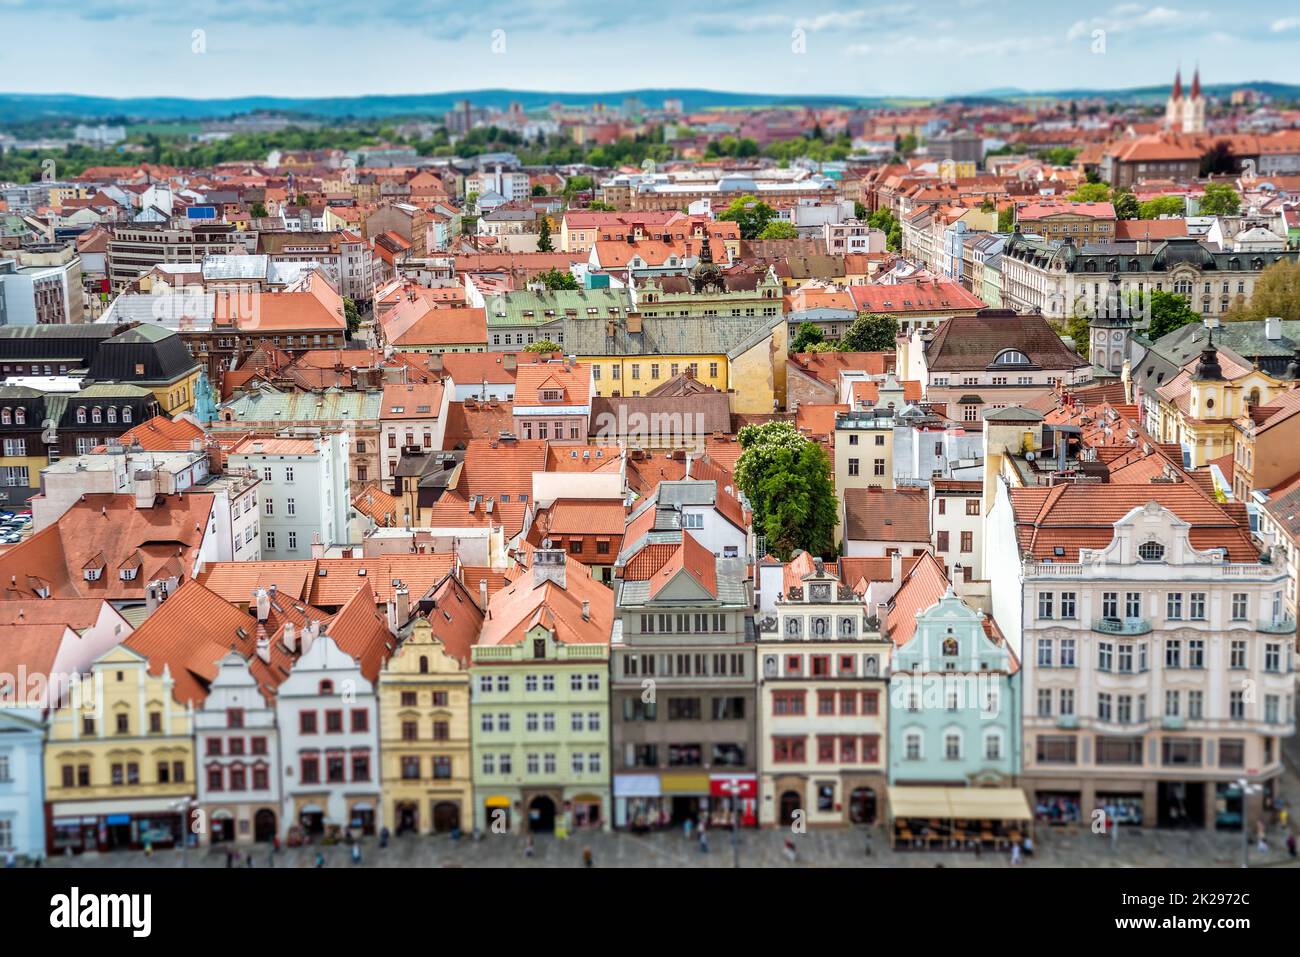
[(824, 848)]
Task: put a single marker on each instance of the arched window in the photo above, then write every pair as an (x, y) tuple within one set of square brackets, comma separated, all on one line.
[(327, 687), (6, 416), (424, 664), (81, 415), (1011, 357), (1151, 551), (126, 413), (112, 413), (96, 415), (20, 416)]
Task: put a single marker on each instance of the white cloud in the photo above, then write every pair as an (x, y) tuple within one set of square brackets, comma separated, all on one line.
[(1131, 17), (1285, 24)]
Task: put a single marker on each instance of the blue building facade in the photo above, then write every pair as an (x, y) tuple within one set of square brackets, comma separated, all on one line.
[(954, 701), (22, 782)]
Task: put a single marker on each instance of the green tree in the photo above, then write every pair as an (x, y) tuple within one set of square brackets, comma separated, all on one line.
[(907, 143), (1059, 156), (1161, 206), (1220, 200), (556, 279), (1277, 293), (1091, 193), (1126, 204), (353, 316), (870, 332), (787, 480), (301, 200), (859, 211), (809, 334), (1169, 311), (779, 229), (539, 190), (577, 184), (1007, 218), (258, 211), (1077, 328), (750, 213), (544, 244), (596, 206), (987, 206), (546, 345)]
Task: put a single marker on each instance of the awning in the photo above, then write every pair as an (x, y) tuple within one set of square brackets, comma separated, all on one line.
[(684, 783), (497, 801), (1001, 804)]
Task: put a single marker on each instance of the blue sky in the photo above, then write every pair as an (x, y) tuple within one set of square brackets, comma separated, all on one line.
[(922, 47)]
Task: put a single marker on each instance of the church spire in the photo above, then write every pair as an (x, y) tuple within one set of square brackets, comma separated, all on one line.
[(1196, 83), (1178, 84)]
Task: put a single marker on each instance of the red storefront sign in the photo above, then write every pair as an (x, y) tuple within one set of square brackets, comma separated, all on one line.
[(745, 787)]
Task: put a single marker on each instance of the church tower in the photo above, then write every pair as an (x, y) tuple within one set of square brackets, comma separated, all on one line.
[(1186, 113)]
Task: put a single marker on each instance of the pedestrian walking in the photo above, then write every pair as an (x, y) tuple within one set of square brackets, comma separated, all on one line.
[(868, 843), (230, 858), (320, 859), (1015, 853), (528, 847), (148, 848), (383, 837), (356, 853), (10, 860), (586, 857), (1290, 844), (791, 852), (704, 841), (687, 825)]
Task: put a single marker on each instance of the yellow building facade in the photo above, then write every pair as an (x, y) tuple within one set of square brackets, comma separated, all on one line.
[(119, 760), (424, 712)]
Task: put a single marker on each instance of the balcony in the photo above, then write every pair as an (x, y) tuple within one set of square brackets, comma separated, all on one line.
[(1067, 721), (1278, 626), (1122, 626), (1173, 722)]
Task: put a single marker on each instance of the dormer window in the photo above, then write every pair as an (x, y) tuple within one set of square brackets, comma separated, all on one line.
[(20, 416), (81, 416), (1151, 551), (552, 395), (128, 574), (1011, 357), (92, 574)]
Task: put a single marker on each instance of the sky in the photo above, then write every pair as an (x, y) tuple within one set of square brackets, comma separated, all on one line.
[(223, 48)]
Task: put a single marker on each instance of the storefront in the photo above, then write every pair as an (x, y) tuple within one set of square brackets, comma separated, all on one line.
[(733, 794), (496, 813), (637, 803), (77, 827), (1057, 807), (1122, 807)]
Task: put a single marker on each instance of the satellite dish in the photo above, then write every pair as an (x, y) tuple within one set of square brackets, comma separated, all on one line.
[(1029, 456)]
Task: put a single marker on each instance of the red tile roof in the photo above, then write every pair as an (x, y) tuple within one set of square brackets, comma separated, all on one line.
[(107, 532), (161, 434), (693, 559), (909, 297), (524, 604), (362, 632), (574, 382), (924, 585), (886, 515)]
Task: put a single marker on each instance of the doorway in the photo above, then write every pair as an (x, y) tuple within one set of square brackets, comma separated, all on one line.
[(446, 817), (791, 802), (408, 817), (862, 806), (264, 825), (541, 815)]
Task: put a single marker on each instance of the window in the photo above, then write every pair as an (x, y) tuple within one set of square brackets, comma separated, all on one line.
[(1174, 605), (1067, 652), (1067, 597), (1173, 653), (1151, 551), (1196, 606), (1240, 606), (1237, 654), (1045, 604)]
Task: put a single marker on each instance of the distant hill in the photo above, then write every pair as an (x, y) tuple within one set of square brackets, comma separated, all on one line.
[(23, 107)]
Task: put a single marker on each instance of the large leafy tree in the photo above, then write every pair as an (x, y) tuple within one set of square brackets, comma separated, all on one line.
[(1169, 311), (870, 332), (1126, 204), (556, 279), (1220, 200), (751, 213), (787, 479), (353, 316), (546, 346), (1091, 193), (1277, 293), (1162, 206), (808, 334), (779, 229)]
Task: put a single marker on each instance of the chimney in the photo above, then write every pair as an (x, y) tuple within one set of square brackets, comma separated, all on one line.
[(399, 610), (1273, 328), (153, 597), (262, 604), (896, 569), (309, 635), (144, 490), (482, 594), (317, 549), (435, 363), (586, 611), (510, 362), (263, 645), (290, 637), (548, 565)]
